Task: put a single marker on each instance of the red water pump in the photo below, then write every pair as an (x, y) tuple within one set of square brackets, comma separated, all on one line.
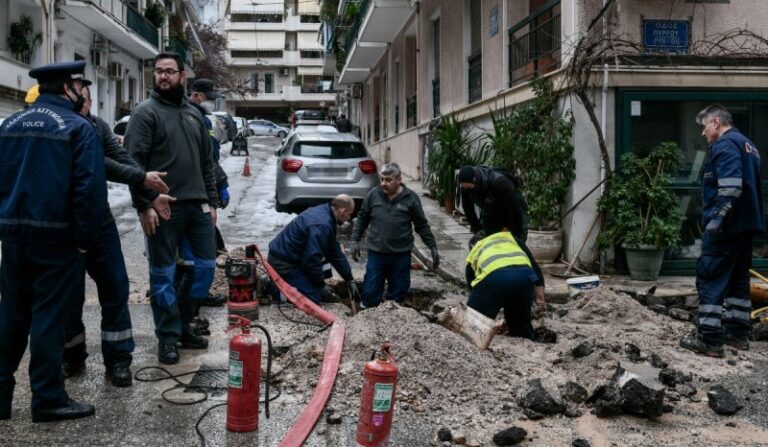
[(245, 376), (244, 285), (377, 403)]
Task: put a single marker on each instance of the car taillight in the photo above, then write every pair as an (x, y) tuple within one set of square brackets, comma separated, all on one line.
[(367, 166), (291, 165)]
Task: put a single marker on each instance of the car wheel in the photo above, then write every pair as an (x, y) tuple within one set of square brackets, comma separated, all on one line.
[(280, 208), (281, 134)]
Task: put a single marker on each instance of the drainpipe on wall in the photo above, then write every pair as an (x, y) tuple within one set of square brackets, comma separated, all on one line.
[(47, 6)]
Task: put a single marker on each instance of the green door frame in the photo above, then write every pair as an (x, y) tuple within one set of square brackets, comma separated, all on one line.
[(624, 100)]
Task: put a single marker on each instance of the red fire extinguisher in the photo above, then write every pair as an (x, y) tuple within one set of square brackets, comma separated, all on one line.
[(377, 403), (245, 376), (243, 285)]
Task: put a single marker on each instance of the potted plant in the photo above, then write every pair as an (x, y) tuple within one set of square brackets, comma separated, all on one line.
[(643, 215), (22, 40), (533, 141), (155, 13), (452, 148)]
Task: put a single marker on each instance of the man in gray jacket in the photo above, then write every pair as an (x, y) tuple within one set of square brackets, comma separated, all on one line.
[(392, 211), (166, 133)]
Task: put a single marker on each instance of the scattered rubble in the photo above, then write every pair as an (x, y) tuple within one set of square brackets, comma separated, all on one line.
[(542, 399), (510, 436), (722, 401)]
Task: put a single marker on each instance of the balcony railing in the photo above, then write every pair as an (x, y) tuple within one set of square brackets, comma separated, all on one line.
[(142, 26), (436, 97), (475, 84), (535, 53), (410, 112), (177, 47), (354, 30), (376, 130)]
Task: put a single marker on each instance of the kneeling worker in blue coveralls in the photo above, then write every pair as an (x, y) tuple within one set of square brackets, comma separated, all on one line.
[(732, 214), (299, 251), (53, 200), (502, 273)]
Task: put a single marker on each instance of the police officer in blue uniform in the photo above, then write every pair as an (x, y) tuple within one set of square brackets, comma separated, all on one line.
[(732, 215), (53, 199)]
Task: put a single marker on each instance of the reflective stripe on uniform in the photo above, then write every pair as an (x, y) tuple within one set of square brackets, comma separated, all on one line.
[(496, 251), (729, 192), (710, 308), (729, 181), (117, 336)]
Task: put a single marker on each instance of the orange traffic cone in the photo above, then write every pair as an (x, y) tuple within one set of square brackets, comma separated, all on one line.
[(246, 169)]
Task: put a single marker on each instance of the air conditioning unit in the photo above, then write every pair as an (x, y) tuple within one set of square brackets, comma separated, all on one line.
[(283, 72), (116, 70), (357, 91), (98, 57)]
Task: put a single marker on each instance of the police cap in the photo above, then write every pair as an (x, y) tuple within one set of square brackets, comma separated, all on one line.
[(205, 86), (60, 71)]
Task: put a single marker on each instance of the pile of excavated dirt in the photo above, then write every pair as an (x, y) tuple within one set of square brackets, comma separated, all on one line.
[(446, 382)]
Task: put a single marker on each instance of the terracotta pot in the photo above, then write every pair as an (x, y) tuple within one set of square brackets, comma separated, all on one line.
[(545, 246), (448, 203)]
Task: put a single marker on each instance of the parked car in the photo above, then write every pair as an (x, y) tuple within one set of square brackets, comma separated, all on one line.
[(264, 127), (120, 126), (305, 128), (218, 128), (308, 116), (229, 124), (316, 167)]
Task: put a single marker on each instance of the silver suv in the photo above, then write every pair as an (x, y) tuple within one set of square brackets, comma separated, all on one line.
[(315, 167)]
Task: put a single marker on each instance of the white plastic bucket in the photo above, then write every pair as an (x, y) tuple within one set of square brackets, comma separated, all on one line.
[(581, 283)]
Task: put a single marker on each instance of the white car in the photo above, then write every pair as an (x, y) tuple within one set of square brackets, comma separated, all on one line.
[(264, 127)]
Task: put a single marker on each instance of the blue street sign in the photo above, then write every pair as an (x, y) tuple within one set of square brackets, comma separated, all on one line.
[(666, 36)]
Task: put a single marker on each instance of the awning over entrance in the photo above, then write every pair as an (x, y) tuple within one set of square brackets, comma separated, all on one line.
[(256, 40)]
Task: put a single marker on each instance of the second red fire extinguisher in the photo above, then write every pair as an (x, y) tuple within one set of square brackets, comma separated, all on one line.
[(245, 376), (377, 403)]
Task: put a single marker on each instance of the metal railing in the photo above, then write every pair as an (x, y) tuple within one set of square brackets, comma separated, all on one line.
[(354, 30), (410, 112), (535, 52), (475, 77), (376, 130), (142, 26), (435, 97), (177, 47)]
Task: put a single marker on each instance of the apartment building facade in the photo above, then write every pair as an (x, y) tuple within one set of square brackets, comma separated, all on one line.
[(114, 37), (274, 48), (473, 57)]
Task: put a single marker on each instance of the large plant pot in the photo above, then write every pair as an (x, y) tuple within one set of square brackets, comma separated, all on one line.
[(644, 262), (545, 246), (448, 203)]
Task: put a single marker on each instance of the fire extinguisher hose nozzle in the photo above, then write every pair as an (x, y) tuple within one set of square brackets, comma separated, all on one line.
[(269, 367)]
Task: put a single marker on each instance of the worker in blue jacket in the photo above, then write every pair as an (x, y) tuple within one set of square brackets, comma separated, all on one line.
[(53, 200), (299, 251), (732, 214)]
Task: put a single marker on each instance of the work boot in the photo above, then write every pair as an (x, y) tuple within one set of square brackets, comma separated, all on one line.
[(6, 397), (214, 300), (70, 410), (167, 353), (199, 326), (72, 368), (738, 343), (119, 375), (694, 342), (189, 339)]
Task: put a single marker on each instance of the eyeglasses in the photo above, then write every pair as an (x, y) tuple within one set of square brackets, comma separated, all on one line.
[(168, 72)]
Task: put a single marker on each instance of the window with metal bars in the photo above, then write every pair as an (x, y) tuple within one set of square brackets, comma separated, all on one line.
[(475, 60)]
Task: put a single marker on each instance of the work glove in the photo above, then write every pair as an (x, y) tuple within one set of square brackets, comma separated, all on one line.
[(223, 197), (435, 258), (714, 226), (477, 237), (354, 292), (327, 295), (354, 251)]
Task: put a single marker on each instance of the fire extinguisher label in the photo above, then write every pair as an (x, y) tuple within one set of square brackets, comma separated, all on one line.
[(382, 396), (235, 373)]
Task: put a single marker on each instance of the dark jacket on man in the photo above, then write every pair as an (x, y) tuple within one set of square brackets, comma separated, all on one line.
[(343, 125), (163, 136), (392, 222), (501, 204), (731, 185), (307, 242), (218, 172), (52, 186)]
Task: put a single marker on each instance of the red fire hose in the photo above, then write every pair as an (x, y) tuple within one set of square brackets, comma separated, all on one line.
[(331, 360)]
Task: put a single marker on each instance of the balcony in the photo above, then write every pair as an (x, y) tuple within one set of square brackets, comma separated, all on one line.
[(288, 93), (117, 22), (534, 45), (475, 84), (14, 74), (410, 112), (376, 25), (177, 47)]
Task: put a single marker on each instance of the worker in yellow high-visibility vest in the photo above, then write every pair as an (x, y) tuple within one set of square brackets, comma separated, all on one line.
[(501, 273)]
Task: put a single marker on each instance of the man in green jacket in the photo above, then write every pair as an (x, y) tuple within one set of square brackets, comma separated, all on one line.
[(392, 211)]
